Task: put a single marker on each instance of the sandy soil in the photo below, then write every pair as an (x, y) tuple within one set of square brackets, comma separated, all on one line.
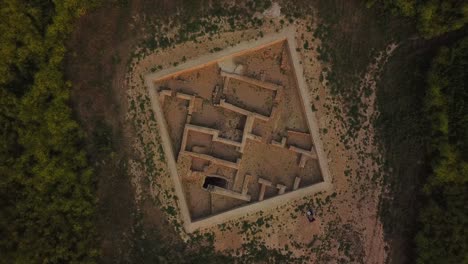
[(250, 97), (258, 162)]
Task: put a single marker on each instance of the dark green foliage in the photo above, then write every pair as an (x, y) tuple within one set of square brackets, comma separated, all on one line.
[(444, 218), (434, 17), (443, 238), (445, 104), (46, 186), (22, 27)]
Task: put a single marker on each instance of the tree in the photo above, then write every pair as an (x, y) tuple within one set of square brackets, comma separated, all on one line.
[(434, 17), (444, 218), (47, 192)]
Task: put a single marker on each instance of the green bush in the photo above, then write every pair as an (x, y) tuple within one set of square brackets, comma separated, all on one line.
[(434, 17), (444, 218), (46, 186)]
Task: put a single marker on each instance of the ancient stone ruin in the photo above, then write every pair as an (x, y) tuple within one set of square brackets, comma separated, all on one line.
[(238, 131)]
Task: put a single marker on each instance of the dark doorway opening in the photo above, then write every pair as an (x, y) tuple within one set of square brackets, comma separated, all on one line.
[(215, 181)]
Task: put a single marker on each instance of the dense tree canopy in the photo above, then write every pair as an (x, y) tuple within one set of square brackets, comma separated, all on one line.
[(46, 186), (444, 219), (446, 104), (434, 17)]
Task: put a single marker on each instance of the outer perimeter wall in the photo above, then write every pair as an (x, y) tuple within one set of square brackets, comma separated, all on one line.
[(258, 137)]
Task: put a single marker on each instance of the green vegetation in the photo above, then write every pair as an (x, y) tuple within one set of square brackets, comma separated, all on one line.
[(444, 219), (46, 186), (434, 17), (423, 126)]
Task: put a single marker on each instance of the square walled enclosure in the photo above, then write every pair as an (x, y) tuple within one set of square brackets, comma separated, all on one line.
[(238, 130)]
